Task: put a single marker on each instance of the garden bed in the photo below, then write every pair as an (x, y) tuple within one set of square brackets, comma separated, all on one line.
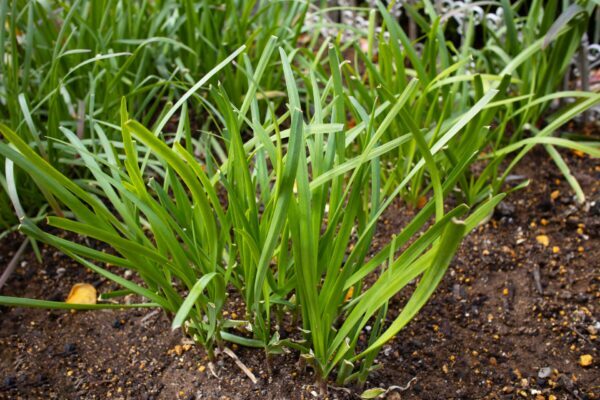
[(508, 309)]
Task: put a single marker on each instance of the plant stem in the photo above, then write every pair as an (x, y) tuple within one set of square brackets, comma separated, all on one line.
[(12, 265)]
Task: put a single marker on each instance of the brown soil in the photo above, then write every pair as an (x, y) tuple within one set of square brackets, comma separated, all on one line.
[(511, 319)]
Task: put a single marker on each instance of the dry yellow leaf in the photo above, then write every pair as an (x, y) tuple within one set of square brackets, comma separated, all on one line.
[(543, 240), (349, 294), (82, 293)]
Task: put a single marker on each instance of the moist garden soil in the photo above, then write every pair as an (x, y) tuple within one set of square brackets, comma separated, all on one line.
[(519, 306)]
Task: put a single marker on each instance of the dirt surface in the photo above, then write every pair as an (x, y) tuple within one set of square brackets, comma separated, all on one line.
[(510, 320)]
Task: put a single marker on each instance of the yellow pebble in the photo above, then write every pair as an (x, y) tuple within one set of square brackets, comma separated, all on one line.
[(543, 240), (585, 360), (178, 350)]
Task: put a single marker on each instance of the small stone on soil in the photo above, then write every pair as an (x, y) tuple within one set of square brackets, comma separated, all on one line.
[(543, 240), (10, 382), (505, 209), (545, 372), (118, 323), (585, 360), (69, 348)]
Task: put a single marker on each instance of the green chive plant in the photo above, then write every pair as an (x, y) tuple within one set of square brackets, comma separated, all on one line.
[(54, 57), (450, 82), (287, 219), (535, 45), (280, 203), (68, 65)]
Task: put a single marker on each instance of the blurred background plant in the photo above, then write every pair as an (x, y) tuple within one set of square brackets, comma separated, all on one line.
[(525, 50), (68, 64)]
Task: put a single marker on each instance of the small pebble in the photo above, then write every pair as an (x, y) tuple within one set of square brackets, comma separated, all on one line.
[(118, 323), (10, 382), (545, 372), (543, 240), (70, 348), (585, 360)]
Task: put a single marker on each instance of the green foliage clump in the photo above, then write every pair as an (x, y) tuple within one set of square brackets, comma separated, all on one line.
[(269, 182)]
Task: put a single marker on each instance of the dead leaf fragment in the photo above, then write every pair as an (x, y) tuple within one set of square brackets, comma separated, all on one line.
[(349, 294), (82, 293)]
